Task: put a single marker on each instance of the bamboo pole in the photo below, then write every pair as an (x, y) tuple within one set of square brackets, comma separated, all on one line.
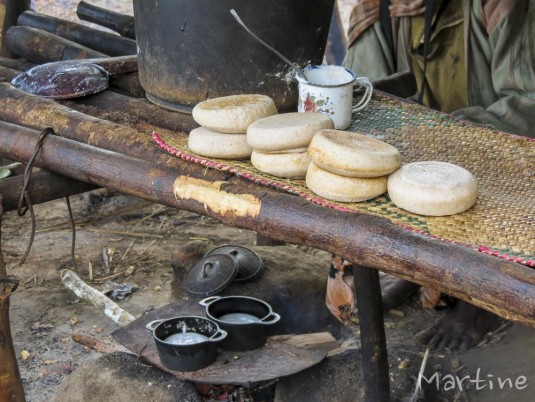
[(504, 288)]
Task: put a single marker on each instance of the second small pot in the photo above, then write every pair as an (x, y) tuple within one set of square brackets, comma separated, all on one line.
[(247, 320)]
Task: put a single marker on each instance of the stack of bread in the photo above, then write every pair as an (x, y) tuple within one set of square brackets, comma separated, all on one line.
[(349, 167), (280, 142), (224, 123)]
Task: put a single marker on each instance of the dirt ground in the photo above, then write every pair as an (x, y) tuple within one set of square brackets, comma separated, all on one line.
[(130, 240), (118, 235)]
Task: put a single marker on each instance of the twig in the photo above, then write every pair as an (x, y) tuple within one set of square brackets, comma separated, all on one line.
[(98, 299), (124, 255), (151, 215), (118, 232), (105, 278), (96, 218), (417, 394)]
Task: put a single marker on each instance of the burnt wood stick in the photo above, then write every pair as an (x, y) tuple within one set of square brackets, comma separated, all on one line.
[(16, 64), (118, 106), (39, 46), (11, 388), (7, 74), (43, 187), (120, 23), (96, 39), (502, 287), (127, 84)]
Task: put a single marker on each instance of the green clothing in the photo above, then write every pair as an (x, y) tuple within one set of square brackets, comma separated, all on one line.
[(498, 88)]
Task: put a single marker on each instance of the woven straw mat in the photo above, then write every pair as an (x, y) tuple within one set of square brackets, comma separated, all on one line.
[(501, 222)]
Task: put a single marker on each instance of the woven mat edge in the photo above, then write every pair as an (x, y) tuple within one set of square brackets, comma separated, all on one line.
[(323, 202)]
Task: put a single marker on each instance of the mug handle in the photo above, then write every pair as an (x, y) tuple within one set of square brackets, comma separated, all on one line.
[(367, 94)]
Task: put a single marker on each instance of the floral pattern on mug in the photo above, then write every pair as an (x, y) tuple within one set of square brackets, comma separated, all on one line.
[(313, 104)]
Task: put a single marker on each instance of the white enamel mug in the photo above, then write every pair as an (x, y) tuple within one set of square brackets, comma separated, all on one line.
[(329, 89)]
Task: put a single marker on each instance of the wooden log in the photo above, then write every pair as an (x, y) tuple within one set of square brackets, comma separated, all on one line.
[(120, 23), (22, 109), (9, 12), (43, 187), (118, 107), (127, 84), (39, 46), (502, 287), (7, 74), (96, 39), (16, 64), (10, 381)]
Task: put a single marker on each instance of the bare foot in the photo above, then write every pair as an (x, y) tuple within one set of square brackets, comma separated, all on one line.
[(395, 290), (460, 329)]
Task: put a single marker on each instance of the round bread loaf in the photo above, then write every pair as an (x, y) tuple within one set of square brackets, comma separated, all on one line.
[(205, 142), (233, 114), (353, 154), (287, 165), (343, 189), (286, 131), (433, 188)]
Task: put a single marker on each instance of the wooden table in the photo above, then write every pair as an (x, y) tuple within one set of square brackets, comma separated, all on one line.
[(126, 159)]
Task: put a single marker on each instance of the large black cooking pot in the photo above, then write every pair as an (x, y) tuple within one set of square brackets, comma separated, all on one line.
[(190, 51)]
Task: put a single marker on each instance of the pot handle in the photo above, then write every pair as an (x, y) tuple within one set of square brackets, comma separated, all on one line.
[(273, 318), (209, 300), (220, 334), (152, 325)]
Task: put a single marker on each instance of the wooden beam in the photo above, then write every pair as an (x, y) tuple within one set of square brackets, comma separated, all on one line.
[(43, 187)]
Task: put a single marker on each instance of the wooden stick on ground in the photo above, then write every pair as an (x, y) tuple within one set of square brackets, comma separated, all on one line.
[(98, 344), (111, 309), (10, 382)]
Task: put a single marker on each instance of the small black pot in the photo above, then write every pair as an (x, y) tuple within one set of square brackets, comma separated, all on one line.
[(187, 356), (247, 320)]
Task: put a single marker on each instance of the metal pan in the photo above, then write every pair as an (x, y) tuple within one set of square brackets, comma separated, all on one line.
[(73, 78)]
